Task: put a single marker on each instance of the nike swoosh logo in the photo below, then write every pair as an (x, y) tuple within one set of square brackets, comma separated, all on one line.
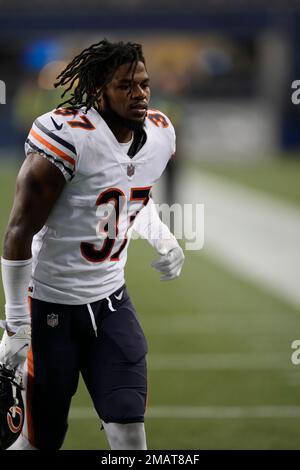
[(58, 126), (119, 297)]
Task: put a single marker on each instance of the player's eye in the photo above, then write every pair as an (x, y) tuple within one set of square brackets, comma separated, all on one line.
[(125, 86)]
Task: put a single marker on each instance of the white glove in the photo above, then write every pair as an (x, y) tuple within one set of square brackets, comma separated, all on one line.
[(171, 260), (13, 349)]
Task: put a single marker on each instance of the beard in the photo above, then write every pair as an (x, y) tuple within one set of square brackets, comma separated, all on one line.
[(131, 124)]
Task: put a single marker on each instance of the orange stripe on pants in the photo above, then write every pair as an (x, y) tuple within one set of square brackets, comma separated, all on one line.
[(29, 390)]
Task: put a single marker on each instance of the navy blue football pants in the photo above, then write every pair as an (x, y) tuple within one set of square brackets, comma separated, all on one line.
[(105, 343)]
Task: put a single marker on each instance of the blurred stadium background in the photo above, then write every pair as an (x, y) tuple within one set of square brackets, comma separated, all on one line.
[(220, 371)]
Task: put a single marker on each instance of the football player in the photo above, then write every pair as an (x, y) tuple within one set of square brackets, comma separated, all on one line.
[(98, 154)]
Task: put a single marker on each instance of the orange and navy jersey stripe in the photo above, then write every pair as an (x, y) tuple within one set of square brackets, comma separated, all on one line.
[(52, 146)]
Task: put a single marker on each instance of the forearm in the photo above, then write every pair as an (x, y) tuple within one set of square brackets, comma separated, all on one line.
[(17, 244), (149, 225), (39, 184)]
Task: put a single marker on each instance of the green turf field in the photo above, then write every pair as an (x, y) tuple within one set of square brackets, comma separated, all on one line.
[(279, 178), (220, 375)]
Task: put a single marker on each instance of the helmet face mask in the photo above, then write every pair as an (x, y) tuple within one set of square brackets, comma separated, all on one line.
[(11, 406)]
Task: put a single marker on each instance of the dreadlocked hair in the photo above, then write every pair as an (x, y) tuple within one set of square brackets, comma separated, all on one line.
[(93, 69)]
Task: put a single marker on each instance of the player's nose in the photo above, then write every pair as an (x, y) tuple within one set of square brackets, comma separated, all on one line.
[(139, 93)]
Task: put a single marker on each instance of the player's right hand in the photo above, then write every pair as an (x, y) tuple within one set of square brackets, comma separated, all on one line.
[(14, 347)]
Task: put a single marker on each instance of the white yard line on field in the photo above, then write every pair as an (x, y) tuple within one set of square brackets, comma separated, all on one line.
[(205, 412), (252, 233)]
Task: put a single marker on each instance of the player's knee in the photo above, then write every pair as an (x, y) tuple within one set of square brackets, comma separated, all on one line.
[(124, 406)]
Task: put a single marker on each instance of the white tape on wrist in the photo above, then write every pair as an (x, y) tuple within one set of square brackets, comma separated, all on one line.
[(16, 276)]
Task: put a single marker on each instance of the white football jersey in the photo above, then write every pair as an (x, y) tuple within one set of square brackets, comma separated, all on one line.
[(74, 260)]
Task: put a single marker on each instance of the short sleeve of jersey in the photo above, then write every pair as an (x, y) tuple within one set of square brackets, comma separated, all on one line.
[(173, 139), (172, 136), (51, 137), (161, 121)]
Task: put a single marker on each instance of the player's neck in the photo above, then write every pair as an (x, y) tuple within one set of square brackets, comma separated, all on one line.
[(121, 132)]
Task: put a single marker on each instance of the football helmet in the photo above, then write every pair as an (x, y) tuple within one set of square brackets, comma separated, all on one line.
[(11, 406)]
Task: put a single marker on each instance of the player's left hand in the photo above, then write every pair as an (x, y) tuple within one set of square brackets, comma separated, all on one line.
[(14, 347), (171, 261)]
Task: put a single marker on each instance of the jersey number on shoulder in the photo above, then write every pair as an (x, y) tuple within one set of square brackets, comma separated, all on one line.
[(88, 250), (83, 122), (158, 119)]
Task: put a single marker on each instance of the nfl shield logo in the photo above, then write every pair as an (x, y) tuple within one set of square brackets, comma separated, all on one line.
[(130, 170), (52, 320)]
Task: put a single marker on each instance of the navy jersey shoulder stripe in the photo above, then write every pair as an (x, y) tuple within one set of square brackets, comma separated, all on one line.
[(54, 136), (34, 147)]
